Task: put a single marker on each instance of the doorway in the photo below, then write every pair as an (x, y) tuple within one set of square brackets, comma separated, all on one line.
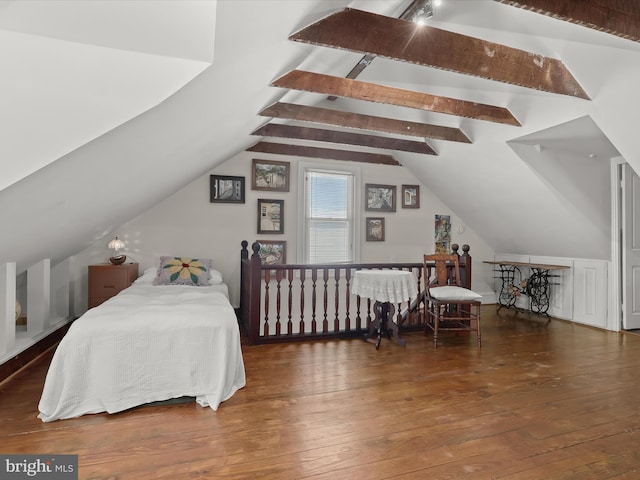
[(627, 253)]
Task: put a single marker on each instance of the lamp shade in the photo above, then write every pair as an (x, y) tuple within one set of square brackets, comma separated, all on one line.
[(116, 244)]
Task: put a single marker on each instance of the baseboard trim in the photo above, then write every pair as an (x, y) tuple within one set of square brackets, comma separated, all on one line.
[(25, 357)]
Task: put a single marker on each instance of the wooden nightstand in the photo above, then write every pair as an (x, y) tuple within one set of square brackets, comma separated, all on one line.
[(106, 280)]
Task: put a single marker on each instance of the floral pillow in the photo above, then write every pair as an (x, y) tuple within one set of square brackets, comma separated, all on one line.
[(184, 271)]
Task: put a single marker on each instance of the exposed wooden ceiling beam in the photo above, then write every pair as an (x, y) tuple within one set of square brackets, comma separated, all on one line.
[(371, 92), (370, 33), (349, 138), (367, 59), (340, 118), (617, 17), (357, 70), (326, 153)]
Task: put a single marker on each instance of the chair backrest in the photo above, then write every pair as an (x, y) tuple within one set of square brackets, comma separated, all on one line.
[(441, 269)]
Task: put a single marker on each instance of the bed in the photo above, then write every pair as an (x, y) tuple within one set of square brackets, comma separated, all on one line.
[(154, 341)]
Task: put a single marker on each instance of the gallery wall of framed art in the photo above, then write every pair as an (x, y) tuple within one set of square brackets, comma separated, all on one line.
[(390, 207), (375, 229), (273, 252), (226, 189), (270, 175), (410, 196), (380, 198), (270, 216)]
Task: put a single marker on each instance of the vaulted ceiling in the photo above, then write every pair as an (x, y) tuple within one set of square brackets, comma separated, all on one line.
[(407, 40), (482, 103)]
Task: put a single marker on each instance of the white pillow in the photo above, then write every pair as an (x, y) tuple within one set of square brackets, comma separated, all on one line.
[(148, 276), (451, 292), (216, 277)]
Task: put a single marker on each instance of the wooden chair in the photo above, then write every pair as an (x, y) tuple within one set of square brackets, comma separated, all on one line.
[(448, 305)]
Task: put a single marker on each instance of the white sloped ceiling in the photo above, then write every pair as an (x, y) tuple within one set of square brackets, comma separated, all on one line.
[(73, 70), (108, 107)]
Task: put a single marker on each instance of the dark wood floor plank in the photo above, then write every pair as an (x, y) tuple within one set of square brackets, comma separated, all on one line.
[(538, 400)]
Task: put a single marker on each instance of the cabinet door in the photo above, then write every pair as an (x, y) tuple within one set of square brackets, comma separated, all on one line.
[(110, 281), (105, 281)]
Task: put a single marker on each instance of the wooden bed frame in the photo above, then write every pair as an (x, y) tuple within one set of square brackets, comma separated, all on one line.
[(293, 302)]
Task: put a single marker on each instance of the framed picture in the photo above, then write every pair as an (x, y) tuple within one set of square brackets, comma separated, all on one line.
[(380, 198), (410, 196), (273, 252), (442, 234), (375, 229), (226, 189), (270, 216), (270, 175)]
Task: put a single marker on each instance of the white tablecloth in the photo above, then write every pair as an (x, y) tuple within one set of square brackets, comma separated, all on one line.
[(393, 286)]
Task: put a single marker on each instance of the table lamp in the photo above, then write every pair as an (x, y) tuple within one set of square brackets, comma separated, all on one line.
[(117, 244)]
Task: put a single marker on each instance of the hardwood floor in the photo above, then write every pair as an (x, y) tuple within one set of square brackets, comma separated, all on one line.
[(537, 401)]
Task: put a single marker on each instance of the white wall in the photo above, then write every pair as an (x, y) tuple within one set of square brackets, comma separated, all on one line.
[(45, 301), (187, 224)]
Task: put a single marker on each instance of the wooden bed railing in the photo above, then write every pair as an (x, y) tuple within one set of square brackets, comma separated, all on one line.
[(283, 303)]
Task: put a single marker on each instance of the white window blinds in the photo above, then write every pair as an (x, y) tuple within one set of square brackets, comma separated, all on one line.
[(329, 218)]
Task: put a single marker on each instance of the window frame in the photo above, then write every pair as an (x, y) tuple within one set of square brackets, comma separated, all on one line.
[(303, 169)]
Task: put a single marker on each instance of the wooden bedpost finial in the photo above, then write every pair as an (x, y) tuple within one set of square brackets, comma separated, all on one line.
[(465, 249), (454, 248), (244, 244), (255, 247)]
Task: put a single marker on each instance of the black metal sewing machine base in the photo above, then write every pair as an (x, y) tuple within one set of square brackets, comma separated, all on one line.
[(537, 287)]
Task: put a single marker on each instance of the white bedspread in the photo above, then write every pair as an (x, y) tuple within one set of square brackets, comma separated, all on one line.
[(148, 343)]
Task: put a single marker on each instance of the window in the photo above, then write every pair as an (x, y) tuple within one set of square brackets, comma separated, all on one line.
[(329, 231)]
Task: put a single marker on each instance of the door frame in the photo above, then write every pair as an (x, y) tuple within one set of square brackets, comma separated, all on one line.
[(614, 320)]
